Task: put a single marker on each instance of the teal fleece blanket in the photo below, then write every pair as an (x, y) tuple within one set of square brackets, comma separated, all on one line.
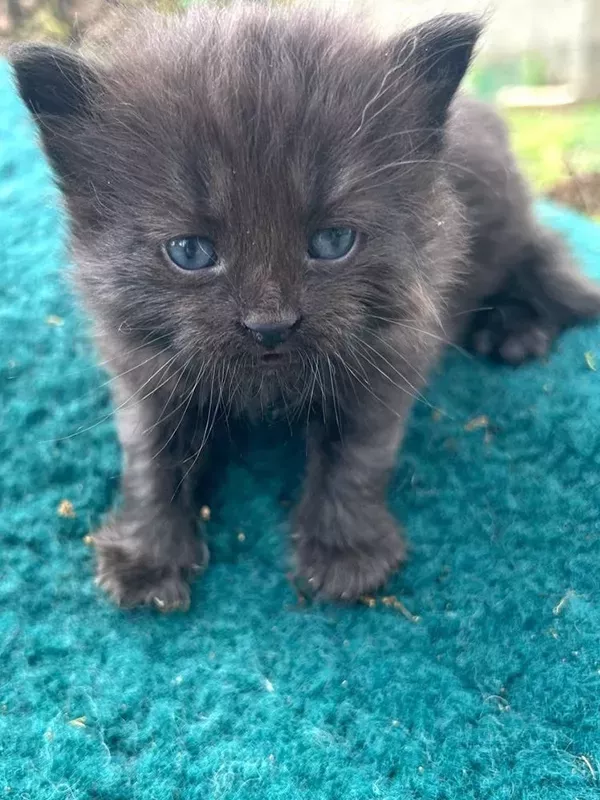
[(477, 677)]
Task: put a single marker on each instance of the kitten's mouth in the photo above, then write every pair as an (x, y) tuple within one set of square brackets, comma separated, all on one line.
[(272, 359), (276, 360)]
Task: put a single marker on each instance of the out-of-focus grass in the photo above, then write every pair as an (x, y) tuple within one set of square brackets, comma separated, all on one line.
[(554, 144)]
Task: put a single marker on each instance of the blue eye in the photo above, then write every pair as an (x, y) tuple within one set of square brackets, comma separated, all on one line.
[(191, 252), (331, 243)]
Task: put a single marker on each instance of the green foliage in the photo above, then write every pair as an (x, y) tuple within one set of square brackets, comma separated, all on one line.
[(534, 70), (486, 78), (552, 144)]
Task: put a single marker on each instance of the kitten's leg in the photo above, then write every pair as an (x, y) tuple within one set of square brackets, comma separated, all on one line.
[(347, 542), (543, 294), (148, 553)]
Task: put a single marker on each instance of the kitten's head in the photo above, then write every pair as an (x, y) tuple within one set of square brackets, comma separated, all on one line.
[(255, 186)]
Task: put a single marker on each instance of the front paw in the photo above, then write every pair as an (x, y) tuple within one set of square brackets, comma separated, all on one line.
[(347, 554), (512, 333), (135, 574)]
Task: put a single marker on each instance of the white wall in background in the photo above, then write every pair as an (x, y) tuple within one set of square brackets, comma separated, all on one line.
[(560, 30)]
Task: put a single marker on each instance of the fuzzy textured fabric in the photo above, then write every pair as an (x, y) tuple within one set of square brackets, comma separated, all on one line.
[(493, 692)]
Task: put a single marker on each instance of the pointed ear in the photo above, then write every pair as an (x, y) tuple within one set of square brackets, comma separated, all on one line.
[(52, 81), (439, 52), (58, 87)]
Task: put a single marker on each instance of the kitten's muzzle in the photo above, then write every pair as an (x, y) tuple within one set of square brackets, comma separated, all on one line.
[(271, 334)]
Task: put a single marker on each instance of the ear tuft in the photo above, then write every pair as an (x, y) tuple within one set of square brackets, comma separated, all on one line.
[(441, 53)]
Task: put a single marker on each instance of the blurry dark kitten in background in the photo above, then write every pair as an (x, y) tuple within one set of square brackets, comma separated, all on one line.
[(273, 208)]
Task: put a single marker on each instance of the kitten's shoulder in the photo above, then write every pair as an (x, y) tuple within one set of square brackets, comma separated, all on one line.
[(477, 151), (473, 121)]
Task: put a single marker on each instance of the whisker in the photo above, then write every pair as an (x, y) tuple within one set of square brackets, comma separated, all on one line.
[(162, 417), (195, 457), (431, 335), (114, 411), (98, 364), (321, 386), (181, 419), (334, 399), (132, 369), (396, 352), (313, 366), (210, 422), (369, 389), (417, 396), (473, 311)]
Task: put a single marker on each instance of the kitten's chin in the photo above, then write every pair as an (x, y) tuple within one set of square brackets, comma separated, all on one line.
[(274, 360)]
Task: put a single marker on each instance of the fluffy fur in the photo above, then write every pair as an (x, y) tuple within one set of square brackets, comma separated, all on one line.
[(255, 128)]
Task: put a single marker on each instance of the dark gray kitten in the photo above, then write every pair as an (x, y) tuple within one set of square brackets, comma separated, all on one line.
[(273, 208)]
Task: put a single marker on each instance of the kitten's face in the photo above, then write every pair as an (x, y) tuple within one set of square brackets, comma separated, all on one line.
[(257, 192)]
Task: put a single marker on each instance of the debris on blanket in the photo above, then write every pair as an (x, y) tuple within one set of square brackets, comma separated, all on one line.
[(390, 601), (562, 602), (66, 509), (368, 601), (476, 423)]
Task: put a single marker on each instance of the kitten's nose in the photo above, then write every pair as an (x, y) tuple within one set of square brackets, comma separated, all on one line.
[(271, 333)]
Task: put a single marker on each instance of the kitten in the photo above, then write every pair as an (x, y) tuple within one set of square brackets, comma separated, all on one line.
[(272, 208)]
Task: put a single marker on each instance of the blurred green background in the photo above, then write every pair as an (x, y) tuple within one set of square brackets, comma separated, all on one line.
[(557, 143)]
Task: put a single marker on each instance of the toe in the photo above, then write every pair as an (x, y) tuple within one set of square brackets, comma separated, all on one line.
[(483, 342), (513, 350)]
